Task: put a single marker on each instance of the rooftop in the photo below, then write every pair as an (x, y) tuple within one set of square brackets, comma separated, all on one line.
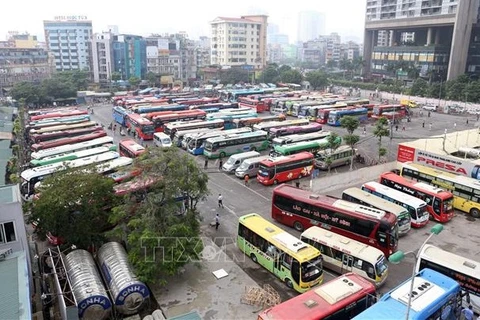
[(14, 291), (9, 194)]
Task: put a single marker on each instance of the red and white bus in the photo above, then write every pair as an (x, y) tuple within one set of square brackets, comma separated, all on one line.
[(439, 202), (390, 111), (341, 298), (302, 209), (143, 127), (39, 137), (285, 168), (130, 148), (59, 114), (257, 105), (60, 142), (324, 112), (159, 121)]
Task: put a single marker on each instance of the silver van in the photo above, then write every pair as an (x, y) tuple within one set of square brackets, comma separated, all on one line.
[(249, 167), (236, 159), (160, 139)]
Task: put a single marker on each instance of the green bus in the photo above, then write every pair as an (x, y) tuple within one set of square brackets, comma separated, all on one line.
[(228, 144), (296, 263), (72, 155), (310, 146)]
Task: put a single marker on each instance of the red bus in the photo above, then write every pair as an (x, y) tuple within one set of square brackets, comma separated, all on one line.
[(143, 127), (130, 148), (160, 120), (144, 100), (389, 111), (369, 107), (285, 168), (39, 137), (258, 105), (60, 142), (302, 209), (59, 114), (341, 298), (323, 114), (439, 202)]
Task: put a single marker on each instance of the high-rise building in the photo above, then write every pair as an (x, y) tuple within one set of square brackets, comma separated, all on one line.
[(438, 38), (102, 57), (129, 56), (240, 42), (69, 38), (311, 24), (202, 52)]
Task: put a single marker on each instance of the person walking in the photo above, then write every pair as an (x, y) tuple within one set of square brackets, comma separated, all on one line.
[(364, 130), (396, 127), (454, 125), (220, 200), (467, 313), (217, 221), (403, 128), (114, 127), (205, 165), (423, 124), (246, 178), (220, 164)]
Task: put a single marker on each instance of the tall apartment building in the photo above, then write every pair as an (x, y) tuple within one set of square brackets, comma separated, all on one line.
[(311, 25), (240, 42), (202, 52), (102, 57), (69, 38), (438, 37), (129, 56)]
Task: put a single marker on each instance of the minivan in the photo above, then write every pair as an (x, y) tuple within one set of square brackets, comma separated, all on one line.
[(236, 159), (162, 140), (249, 167)]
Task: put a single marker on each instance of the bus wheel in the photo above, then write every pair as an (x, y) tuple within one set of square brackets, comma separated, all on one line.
[(475, 213), (298, 226), (275, 181), (289, 283), (222, 155), (253, 257)]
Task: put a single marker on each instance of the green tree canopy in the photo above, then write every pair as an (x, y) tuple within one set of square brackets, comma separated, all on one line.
[(381, 130), (270, 74), (333, 142), (31, 93), (234, 75), (152, 78), (134, 81), (350, 124), (116, 76), (291, 76), (419, 88), (317, 79)]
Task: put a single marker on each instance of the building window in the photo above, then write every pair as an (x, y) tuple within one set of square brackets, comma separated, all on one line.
[(7, 232)]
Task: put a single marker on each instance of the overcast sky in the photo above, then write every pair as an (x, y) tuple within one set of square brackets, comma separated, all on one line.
[(145, 17)]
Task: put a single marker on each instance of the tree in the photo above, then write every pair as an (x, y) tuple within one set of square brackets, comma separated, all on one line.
[(331, 64), (134, 81), (78, 78), (116, 76), (270, 74), (381, 130), (156, 224), (419, 88), (291, 76), (234, 75), (31, 93), (333, 142), (317, 79), (350, 124), (73, 205), (59, 88), (152, 78), (284, 69)]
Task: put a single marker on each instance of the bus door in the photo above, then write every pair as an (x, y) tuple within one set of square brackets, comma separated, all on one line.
[(347, 263), (277, 262)]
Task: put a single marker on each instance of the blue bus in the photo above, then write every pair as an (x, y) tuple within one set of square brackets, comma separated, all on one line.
[(435, 296), (196, 143), (120, 115), (335, 115), (162, 107)]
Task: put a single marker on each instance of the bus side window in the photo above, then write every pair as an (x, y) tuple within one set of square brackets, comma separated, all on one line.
[(358, 263), (287, 261), (337, 254), (382, 238), (368, 268), (436, 205)]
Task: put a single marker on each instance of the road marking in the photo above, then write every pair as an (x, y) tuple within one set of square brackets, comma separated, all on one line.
[(237, 181)]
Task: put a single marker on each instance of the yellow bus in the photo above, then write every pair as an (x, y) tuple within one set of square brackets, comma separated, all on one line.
[(466, 191), (297, 264)]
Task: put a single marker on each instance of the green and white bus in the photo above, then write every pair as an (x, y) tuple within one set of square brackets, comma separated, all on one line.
[(339, 157), (72, 155), (310, 146), (297, 264), (225, 145)]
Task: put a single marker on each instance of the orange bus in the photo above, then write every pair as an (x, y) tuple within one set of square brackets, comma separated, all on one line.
[(130, 148), (143, 127), (285, 168), (160, 120)]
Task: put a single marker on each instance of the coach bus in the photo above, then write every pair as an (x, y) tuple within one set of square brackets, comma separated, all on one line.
[(61, 142), (302, 209), (180, 135), (465, 271), (324, 113), (63, 127), (35, 138), (285, 168), (341, 255), (226, 145), (330, 158), (280, 141), (391, 111), (466, 191), (359, 196), (159, 108), (230, 117), (437, 297), (160, 121), (57, 121), (219, 106), (142, 127), (120, 115), (416, 207), (266, 126), (336, 115), (72, 155), (339, 299), (72, 148), (295, 263), (310, 146), (250, 122), (285, 131), (130, 148), (257, 105), (59, 114), (196, 144), (172, 127), (439, 202)]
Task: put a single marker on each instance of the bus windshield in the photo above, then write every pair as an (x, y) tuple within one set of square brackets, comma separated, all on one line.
[(311, 269), (148, 129), (421, 211), (381, 266)]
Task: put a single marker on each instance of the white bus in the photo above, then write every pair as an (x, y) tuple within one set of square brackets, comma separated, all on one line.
[(173, 127), (339, 157), (228, 144), (359, 196), (416, 207), (266, 126), (196, 144), (180, 135), (342, 255), (292, 138), (465, 271), (72, 148)]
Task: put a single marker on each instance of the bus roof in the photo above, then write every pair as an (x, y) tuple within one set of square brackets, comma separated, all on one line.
[(285, 123), (375, 201), (292, 138), (133, 145), (279, 238), (441, 193), (216, 133), (344, 244), (403, 197), (64, 127), (180, 124), (282, 159), (227, 136), (71, 147), (340, 149), (113, 164)]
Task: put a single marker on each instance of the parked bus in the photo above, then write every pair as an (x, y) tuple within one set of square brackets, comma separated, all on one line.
[(465, 271), (195, 101), (323, 113), (35, 138), (302, 209), (391, 111), (365, 198), (341, 156), (341, 255), (234, 95), (250, 122), (439, 202), (219, 106), (130, 148), (120, 115), (266, 126), (416, 207), (336, 115), (142, 127), (466, 191), (298, 107), (257, 105), (284, 131), (173, 127), (162, 107), (437, 297), (60, 142), (72, 148), (197, 143), (58, 114), (226, 145), (180, 135), (293, 138), (280, 169), (63, 127), (37, 112), (72, 155), (297, 264), (160, 121), (339, 299), (310, 146), (57, 121)]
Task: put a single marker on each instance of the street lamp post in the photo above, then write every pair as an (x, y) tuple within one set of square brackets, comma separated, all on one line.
[(400, 255)]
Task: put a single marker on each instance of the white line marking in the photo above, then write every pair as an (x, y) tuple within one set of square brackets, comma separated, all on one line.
[(243, 185)]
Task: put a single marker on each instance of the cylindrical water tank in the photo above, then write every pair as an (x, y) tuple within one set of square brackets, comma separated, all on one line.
[(87, 286), (127, 292)]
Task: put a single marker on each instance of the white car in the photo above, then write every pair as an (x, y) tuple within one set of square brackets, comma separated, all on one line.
[(429, 107)]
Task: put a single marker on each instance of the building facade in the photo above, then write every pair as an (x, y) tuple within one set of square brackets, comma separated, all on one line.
[(102, 57), (202, 52), (311, 25), (437, 38), (129, 56), (69, 39), (239, 42)]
